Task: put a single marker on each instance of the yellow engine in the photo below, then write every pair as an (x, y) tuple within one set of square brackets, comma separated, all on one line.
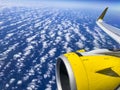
[(94, 70)]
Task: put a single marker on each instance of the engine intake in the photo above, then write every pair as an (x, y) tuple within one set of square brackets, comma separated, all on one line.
[(64, 75)]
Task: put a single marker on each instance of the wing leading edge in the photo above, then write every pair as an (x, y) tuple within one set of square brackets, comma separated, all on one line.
[(110, 30)]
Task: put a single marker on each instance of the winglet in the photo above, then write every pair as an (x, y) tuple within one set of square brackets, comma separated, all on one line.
[(103, 14)]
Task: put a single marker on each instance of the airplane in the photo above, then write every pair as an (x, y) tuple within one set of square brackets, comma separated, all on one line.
[(94, 70)]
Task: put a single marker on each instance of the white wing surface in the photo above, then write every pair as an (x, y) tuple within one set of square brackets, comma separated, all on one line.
[(110, 30)]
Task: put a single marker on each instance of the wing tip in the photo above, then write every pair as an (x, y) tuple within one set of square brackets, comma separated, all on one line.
[(103, 14)]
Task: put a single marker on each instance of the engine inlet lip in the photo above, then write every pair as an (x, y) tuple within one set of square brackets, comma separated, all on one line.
[(71, 77)]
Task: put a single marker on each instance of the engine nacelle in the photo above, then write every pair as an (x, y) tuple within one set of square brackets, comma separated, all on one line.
[(95, 70)]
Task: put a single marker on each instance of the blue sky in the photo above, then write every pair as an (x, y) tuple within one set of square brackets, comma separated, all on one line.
[(65, 3), (111, 1)]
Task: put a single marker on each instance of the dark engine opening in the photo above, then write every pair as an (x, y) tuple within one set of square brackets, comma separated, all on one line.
[(63, 74)]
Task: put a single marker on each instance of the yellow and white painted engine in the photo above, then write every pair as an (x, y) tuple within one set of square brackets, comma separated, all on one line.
[(94, 70)]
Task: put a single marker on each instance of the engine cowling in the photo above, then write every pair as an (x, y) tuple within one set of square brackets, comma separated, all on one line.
[(81, 71)]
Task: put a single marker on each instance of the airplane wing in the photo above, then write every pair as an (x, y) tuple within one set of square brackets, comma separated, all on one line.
[(111, 53), (115, 53), (110, 30)]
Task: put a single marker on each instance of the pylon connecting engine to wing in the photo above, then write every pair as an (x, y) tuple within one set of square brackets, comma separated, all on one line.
[(93, 70)]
